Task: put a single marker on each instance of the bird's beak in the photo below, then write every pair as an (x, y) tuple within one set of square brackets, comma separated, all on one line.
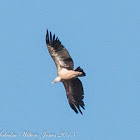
[(52, 82)]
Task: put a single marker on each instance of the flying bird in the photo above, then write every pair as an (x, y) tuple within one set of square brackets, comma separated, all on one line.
[(66, 72)]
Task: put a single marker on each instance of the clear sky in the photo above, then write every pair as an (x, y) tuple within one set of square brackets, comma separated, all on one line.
[(103, 37)]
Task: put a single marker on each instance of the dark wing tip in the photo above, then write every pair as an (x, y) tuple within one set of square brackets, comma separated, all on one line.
[(50, 36), (49, 39), (83, 106), (79, 109), (53, 42), (74, 108), (53, 37), (78, 106)]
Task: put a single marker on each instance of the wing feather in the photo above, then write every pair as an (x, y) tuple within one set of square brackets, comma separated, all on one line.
[(75, 94), (59, 54)]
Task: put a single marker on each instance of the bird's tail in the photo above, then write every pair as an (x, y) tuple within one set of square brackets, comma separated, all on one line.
[(80, 70)]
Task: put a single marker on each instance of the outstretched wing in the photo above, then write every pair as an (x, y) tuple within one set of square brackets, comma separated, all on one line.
[(59, 54), (75, 94)]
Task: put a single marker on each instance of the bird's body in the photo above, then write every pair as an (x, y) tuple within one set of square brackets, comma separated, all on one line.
[(66, 73)]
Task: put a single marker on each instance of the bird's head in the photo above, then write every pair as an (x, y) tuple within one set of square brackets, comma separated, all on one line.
[(57, 79)]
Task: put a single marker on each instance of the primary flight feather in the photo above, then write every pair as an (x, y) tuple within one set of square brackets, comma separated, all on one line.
[(66, 73)]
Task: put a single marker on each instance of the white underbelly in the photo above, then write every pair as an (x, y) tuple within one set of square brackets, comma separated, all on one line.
[(68, 74)]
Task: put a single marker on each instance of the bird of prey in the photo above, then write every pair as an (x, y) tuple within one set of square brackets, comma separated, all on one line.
[(66, 72)]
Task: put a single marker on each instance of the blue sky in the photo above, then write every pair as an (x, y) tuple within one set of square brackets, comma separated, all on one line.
[(103, 37)]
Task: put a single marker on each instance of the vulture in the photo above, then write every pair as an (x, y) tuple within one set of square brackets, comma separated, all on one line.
[(66, 72)]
